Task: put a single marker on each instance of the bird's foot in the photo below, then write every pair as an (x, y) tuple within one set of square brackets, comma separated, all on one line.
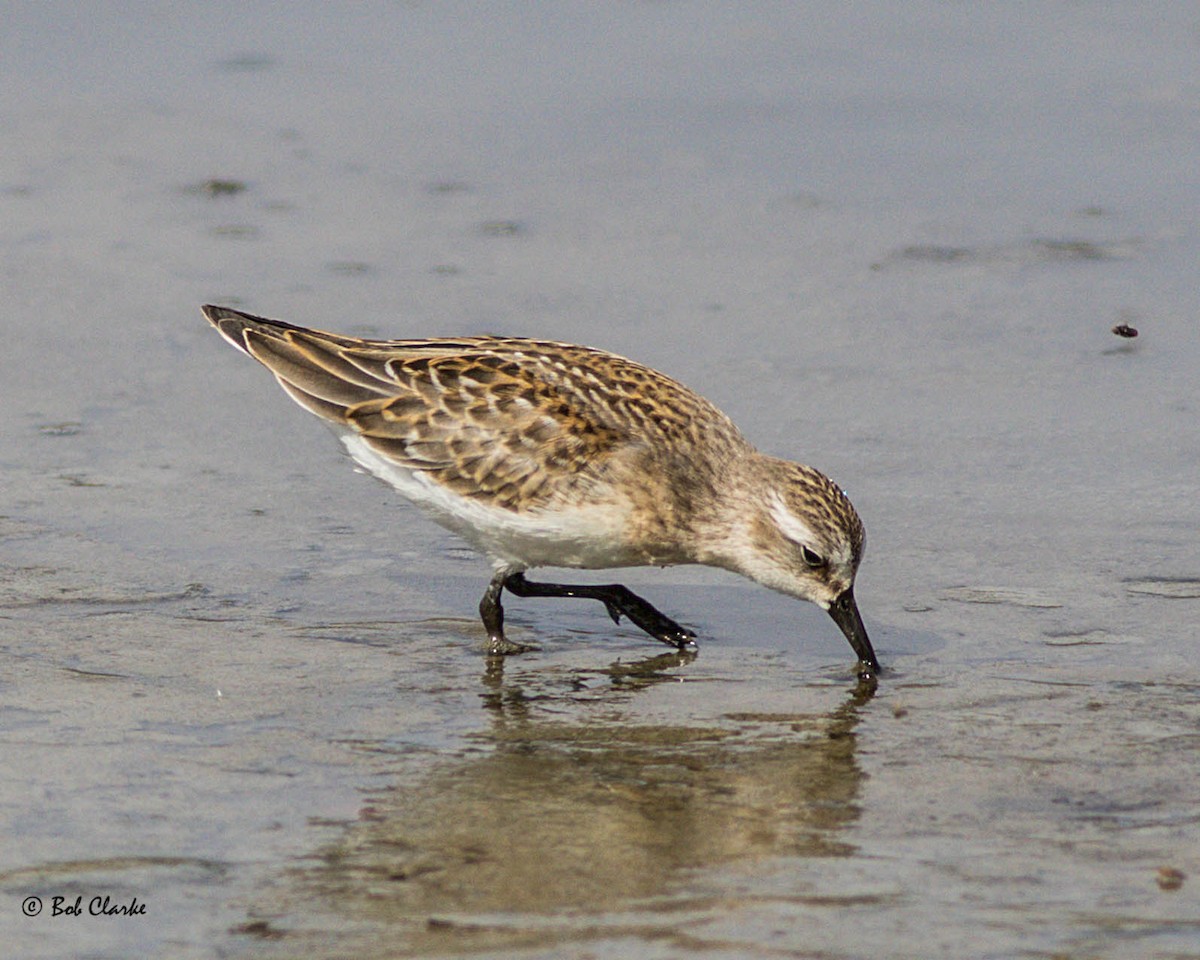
[(650, 619), (501, 646)]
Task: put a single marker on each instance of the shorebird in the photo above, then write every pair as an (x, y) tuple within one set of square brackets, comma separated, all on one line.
[(552, 454)]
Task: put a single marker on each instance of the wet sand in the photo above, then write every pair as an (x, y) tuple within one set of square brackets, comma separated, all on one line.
[(244, 688)]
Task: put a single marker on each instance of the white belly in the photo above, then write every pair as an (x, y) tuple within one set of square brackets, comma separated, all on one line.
[(584, 536)]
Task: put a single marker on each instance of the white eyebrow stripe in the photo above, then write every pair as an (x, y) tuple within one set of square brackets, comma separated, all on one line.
[(789, 524)]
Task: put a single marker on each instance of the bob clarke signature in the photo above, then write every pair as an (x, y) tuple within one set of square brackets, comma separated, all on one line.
[(104, 906)]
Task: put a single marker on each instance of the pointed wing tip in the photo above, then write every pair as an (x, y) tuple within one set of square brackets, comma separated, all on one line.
[(237, 327), (214, 314), (229, 323)]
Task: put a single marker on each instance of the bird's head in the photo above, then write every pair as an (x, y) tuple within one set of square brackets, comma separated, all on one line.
[(800, 535)]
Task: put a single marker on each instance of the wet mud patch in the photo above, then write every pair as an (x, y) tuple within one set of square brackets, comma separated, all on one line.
[(1005, 595), (1172, 588), (1081, 638), (1037, 250), (90, 873), (40, 586), (65, 428), (217, 187)]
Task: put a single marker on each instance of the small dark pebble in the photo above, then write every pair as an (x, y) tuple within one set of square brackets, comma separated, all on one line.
[(1125, 330), (246, 62), (68, 428), (348, 268), (217, 187), (447, 186), (236, 231), (501, 228), (1170, 878), (258, 928)]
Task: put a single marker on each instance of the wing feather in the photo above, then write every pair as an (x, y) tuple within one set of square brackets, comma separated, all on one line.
[(519, 423)]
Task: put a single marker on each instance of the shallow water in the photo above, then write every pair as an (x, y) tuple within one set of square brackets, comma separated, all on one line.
[(244, 687)]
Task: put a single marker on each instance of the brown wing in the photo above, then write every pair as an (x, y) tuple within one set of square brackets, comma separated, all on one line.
[(494, 419)]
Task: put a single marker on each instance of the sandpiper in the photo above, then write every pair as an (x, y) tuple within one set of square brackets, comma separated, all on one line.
[(552, 454)]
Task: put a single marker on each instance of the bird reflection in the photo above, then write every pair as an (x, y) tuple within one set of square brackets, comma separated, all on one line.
[(509, 700), (570, 807)]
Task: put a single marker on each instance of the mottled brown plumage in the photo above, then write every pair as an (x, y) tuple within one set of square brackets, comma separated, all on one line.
[(544, 453)]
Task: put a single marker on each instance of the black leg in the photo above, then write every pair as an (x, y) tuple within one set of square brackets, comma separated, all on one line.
[(492, 613), (616, 598)]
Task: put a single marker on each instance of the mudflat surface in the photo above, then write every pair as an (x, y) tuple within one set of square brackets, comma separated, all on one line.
[(243, 695)]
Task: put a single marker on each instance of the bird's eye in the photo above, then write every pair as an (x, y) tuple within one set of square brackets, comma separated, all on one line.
[(812, 558)]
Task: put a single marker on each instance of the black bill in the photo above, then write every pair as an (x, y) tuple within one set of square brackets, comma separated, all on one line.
[(845, 614)]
